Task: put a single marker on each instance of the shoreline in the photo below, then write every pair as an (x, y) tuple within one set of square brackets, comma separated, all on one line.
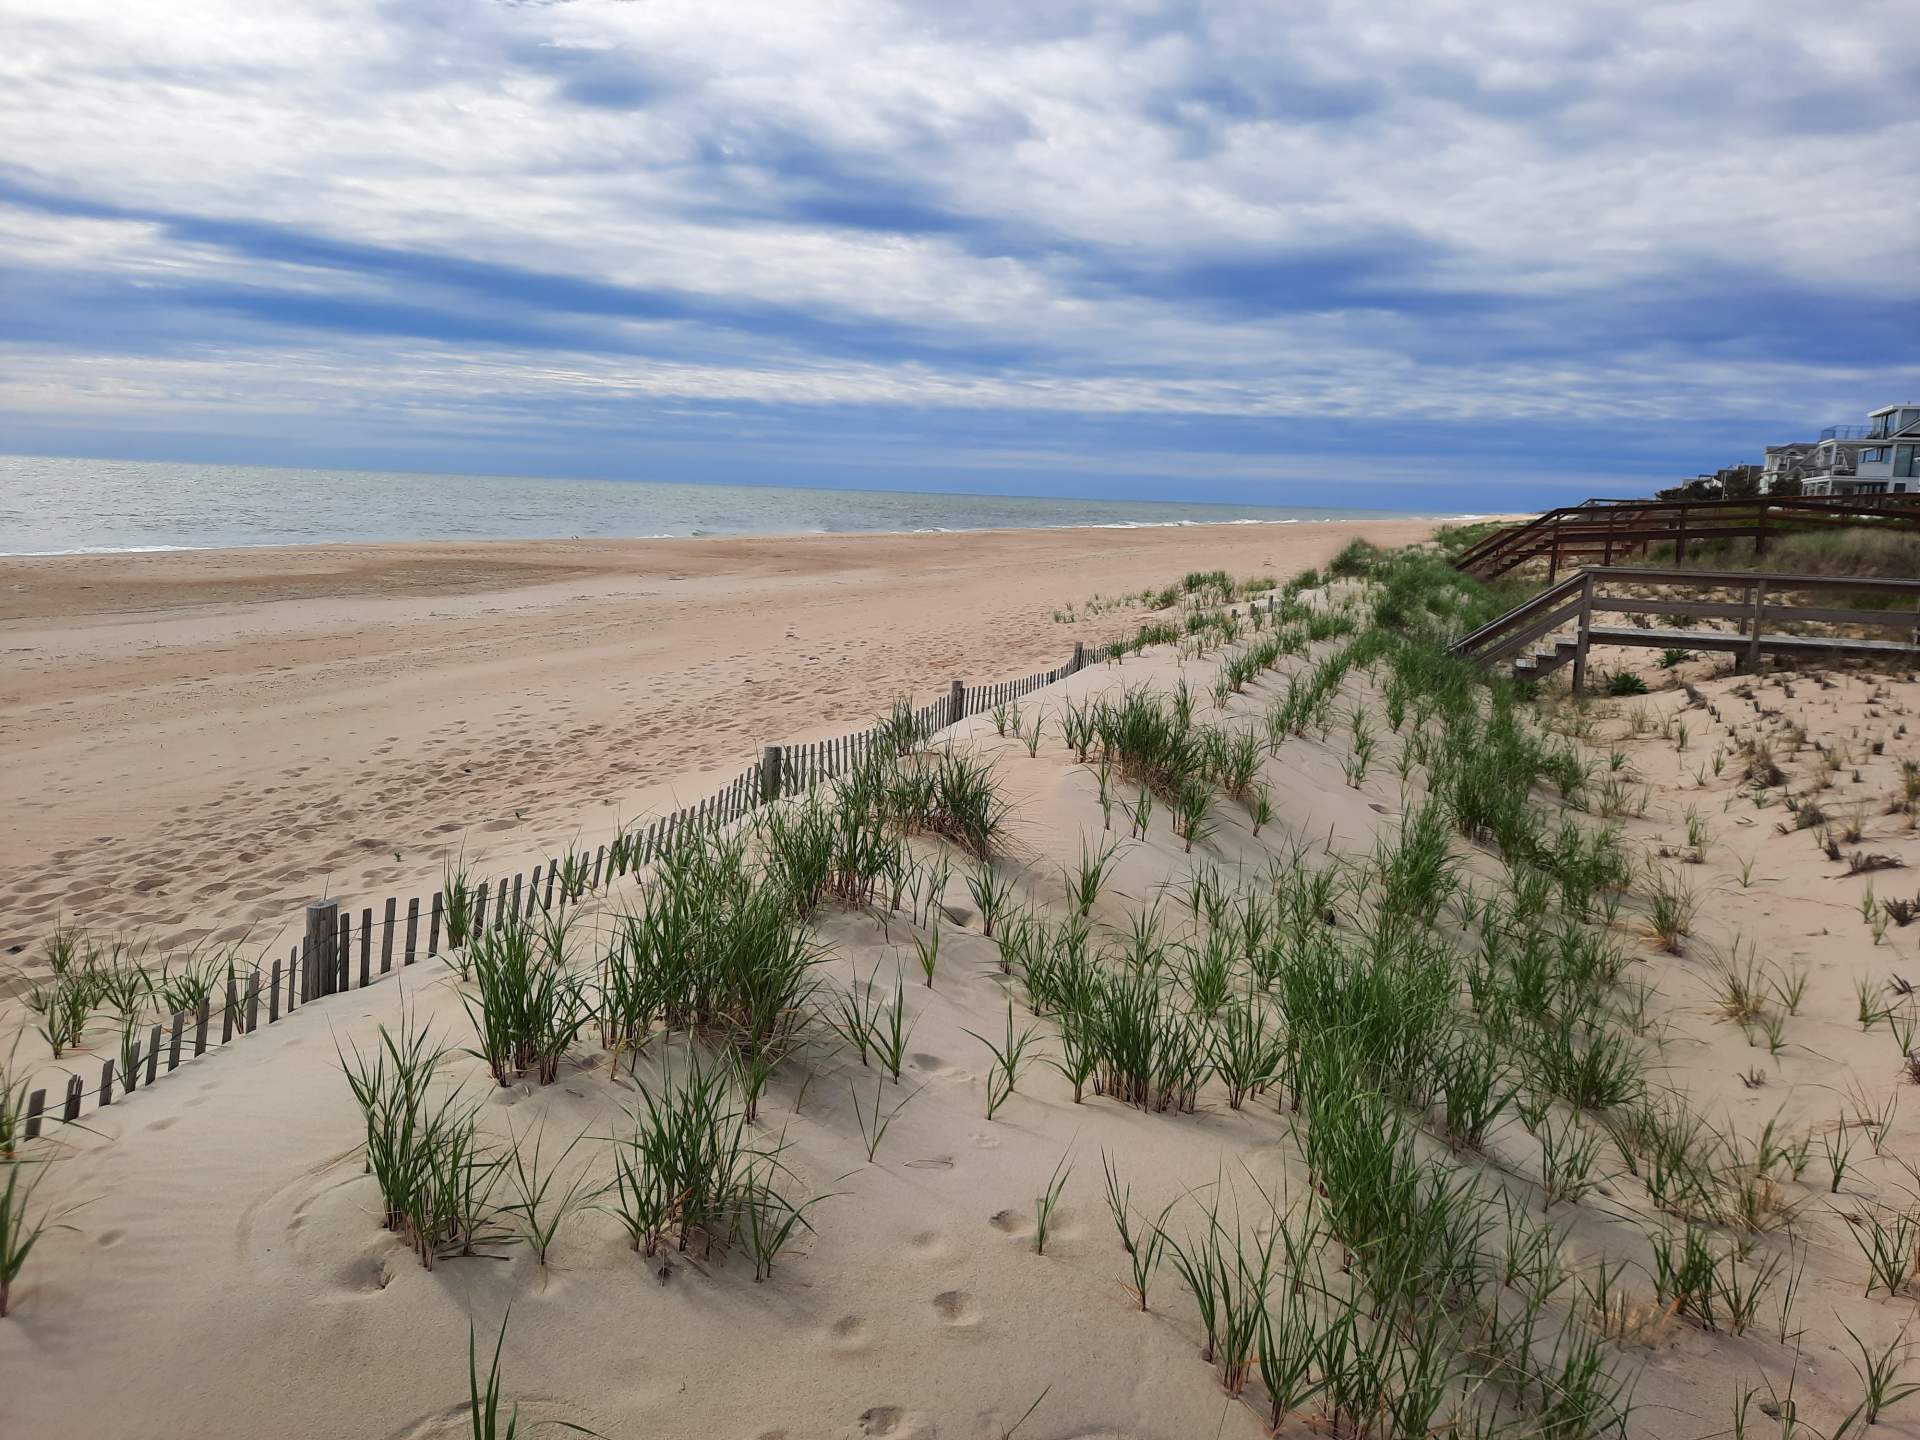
[(1351, 518)]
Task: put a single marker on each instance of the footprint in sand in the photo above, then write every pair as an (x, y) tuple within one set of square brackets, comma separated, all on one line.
[(930, 1245), (849, 1335), (1014, 1223), (957, 1309)]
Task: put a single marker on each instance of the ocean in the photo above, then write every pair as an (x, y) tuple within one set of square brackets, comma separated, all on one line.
[(67, 507)]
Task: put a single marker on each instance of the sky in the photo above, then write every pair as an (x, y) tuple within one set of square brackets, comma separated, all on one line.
[(1365, 252)]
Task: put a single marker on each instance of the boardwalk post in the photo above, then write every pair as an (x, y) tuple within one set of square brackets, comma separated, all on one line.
[(323, 927), (1586, 635), (957, 703), (1753, 637), (770, 760)]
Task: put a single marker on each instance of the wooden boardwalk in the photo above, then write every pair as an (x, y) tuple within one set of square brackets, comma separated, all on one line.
[(1533, 635)]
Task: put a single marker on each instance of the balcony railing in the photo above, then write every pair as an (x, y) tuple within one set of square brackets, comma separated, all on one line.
[(1844, 432)]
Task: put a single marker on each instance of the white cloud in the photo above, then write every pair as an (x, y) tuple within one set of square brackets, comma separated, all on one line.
[(1589, 155)]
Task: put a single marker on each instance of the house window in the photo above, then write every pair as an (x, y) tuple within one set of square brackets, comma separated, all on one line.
[(1906, 461)]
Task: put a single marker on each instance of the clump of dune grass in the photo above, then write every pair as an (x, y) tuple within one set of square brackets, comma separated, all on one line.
[(485, 1402), (528, 1004), (688, 1173), (1009, 1059), (1048, 1202), (457, 901), (542, 1203), (22, 1225), (422, 1144)]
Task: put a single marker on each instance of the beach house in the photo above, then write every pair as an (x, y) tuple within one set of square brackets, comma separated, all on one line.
[(1879, 458)]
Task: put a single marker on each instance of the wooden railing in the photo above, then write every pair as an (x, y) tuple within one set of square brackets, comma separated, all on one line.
[(1766, 602), (1599, 531)]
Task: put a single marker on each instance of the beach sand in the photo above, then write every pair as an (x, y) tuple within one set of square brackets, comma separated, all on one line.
[(226, 1273), (202, 741)]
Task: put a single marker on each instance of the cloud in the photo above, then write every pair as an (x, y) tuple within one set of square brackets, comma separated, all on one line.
[(1350, 234)]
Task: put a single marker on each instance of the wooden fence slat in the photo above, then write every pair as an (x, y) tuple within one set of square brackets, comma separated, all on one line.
[(253, 1002), (479, 910), (533, 890), (36, 1102), (106, 1083), (518, 881), (599, 863), (433, 925), (413, 931), (153, 1052), (200, 1025), (227, 1012), (548, 903), (71, 1110), (386, 940), (342, 955), (174, 1033), (366, 946), (273, 996)]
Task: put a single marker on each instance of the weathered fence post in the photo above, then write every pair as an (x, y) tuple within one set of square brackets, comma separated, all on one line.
[(957, 703), (770, 761), (323, 931), (1753, 638), (1586, 635)]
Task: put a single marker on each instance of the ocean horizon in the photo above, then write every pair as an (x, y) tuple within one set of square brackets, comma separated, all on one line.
[(63, 506)]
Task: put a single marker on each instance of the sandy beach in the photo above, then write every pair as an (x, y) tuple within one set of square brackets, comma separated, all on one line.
[(222, 1238), (204, 740)]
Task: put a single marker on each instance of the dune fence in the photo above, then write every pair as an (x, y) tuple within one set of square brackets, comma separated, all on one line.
[(341, 950)]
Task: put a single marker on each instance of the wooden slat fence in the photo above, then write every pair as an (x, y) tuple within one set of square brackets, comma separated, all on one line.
[(347, 952)]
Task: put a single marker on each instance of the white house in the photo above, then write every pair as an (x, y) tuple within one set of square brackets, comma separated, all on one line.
[(1882, 457)]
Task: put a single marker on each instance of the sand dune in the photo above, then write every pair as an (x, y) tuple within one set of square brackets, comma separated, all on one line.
[(229, 1263)]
